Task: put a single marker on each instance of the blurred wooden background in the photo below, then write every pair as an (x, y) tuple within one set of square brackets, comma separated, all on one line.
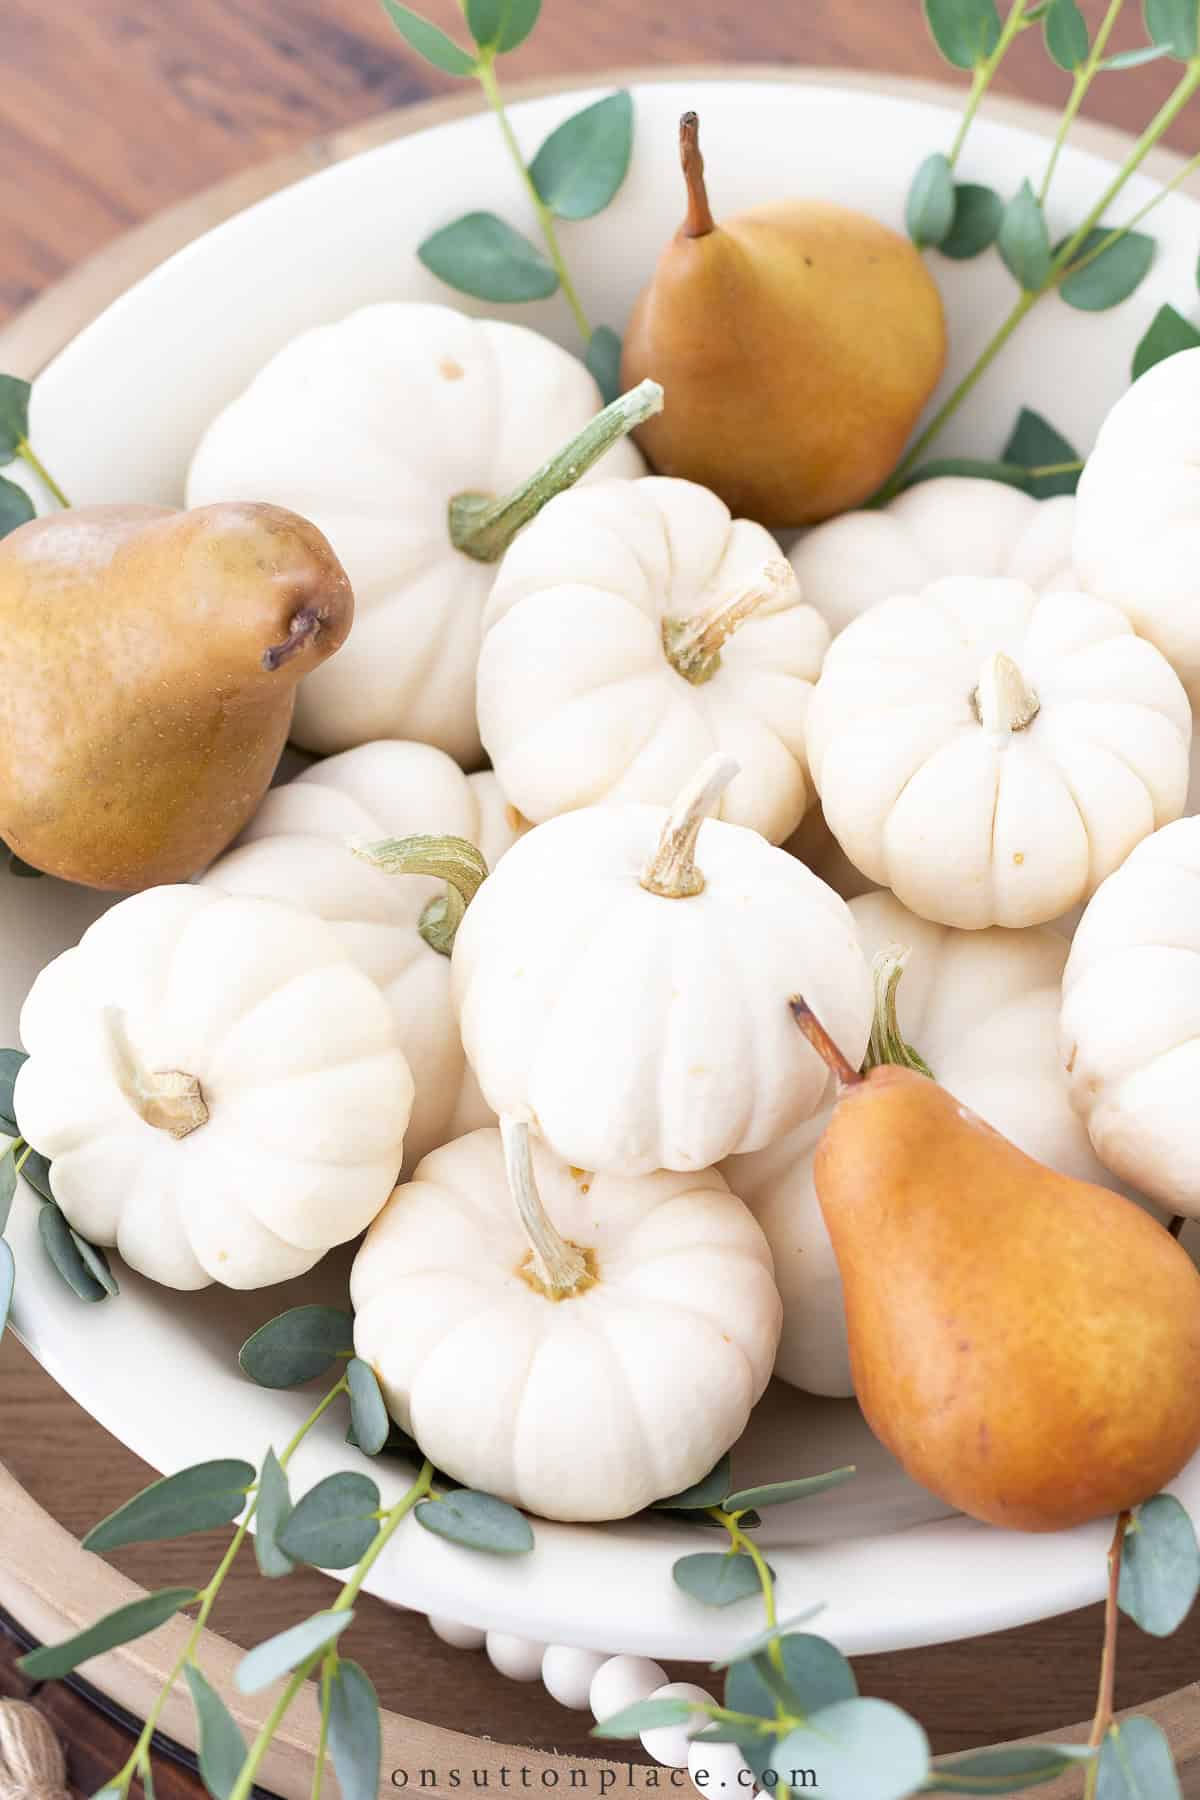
[(113, 109)]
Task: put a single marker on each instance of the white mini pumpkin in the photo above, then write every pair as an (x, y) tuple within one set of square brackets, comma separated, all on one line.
[(629, 984), (1130, 1030), (1137, 519), (951, 525), (581, 1368), (218, 1088), (296, 849), (991, 754), (634, 628), (980, 1009), (372, 427)]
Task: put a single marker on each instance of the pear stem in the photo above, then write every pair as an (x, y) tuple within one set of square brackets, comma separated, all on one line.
[(888, 1044), (555, 1268), (303, 628), (483, 527), (823, 1044), (694, 645), (1108, 1656), (450, 859), (699, 221), (1002, 701), (671, 872)]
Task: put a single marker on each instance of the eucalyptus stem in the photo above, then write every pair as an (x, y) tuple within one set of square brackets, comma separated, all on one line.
[(328, 1668), (32, 460), (486, 72), (1108, 1658), (392, 1521), (1119, 231), (981, 80), (1084, 76)]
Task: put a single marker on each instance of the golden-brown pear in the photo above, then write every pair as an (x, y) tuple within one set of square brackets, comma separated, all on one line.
[(796, 344), (1025, 1344), (148, 666)]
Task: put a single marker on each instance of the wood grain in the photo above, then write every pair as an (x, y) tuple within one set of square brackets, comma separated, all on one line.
[(113, 109)]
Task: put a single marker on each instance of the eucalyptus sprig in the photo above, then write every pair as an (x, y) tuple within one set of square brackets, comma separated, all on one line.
[(1095, 266), (16, 507), (339, 1523), (574, 175)]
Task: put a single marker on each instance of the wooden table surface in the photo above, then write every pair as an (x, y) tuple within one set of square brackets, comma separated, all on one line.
[(113, 109)]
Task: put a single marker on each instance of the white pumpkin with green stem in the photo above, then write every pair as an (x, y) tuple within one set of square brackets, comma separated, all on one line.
[(398, 932), (624, 976), (991, 754), (634, 628), (218, 1088), (950, 525), (579, 1345), (398, 430), (1137, 521), (978, 1010)]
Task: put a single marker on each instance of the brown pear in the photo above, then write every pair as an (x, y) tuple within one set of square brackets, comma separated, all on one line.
[(796, 344), (1025, 1344), (148, 667)]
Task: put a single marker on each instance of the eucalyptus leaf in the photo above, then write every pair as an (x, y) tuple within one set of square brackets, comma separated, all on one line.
[(583, 162), (762, 1639), (334, 1524), (14, 416), (777, 1493), (16, 508), (397, 1442), (11, 1063), (1136, 1763), (716, 1578), (67, 1252), (816, 1672), (858, 1749), (1023, 240), (297, 1346), (17, 866), (136, 1620), (280, 1654), (196, 1499), (1066, 34), (746, 1734), (8, 1280), (481, 255), (1174, 26), (644, 1715), (710, 1490), (965, 31), (500, 25), (1006, 1771), (978, 215), (429, 40), (368, 1414), (1167, 334), (1035, 444), (929, 210), (603, 360), (222, 1748), (1160, 1566), (273, 1509), (8, 1186), (1112, 275), (96, 1263), (478, 1522), (36, 1171), (1134, 59), (355, 1732)]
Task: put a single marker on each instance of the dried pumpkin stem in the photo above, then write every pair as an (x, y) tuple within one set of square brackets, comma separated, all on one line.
[(450, 859), (887, 1043), (558, 1269), (483, 527), (671, 872), (693, 646), (1003, 702), (170, 1100)]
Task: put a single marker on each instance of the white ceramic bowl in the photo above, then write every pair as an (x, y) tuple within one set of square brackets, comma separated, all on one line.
[(116, 416)]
